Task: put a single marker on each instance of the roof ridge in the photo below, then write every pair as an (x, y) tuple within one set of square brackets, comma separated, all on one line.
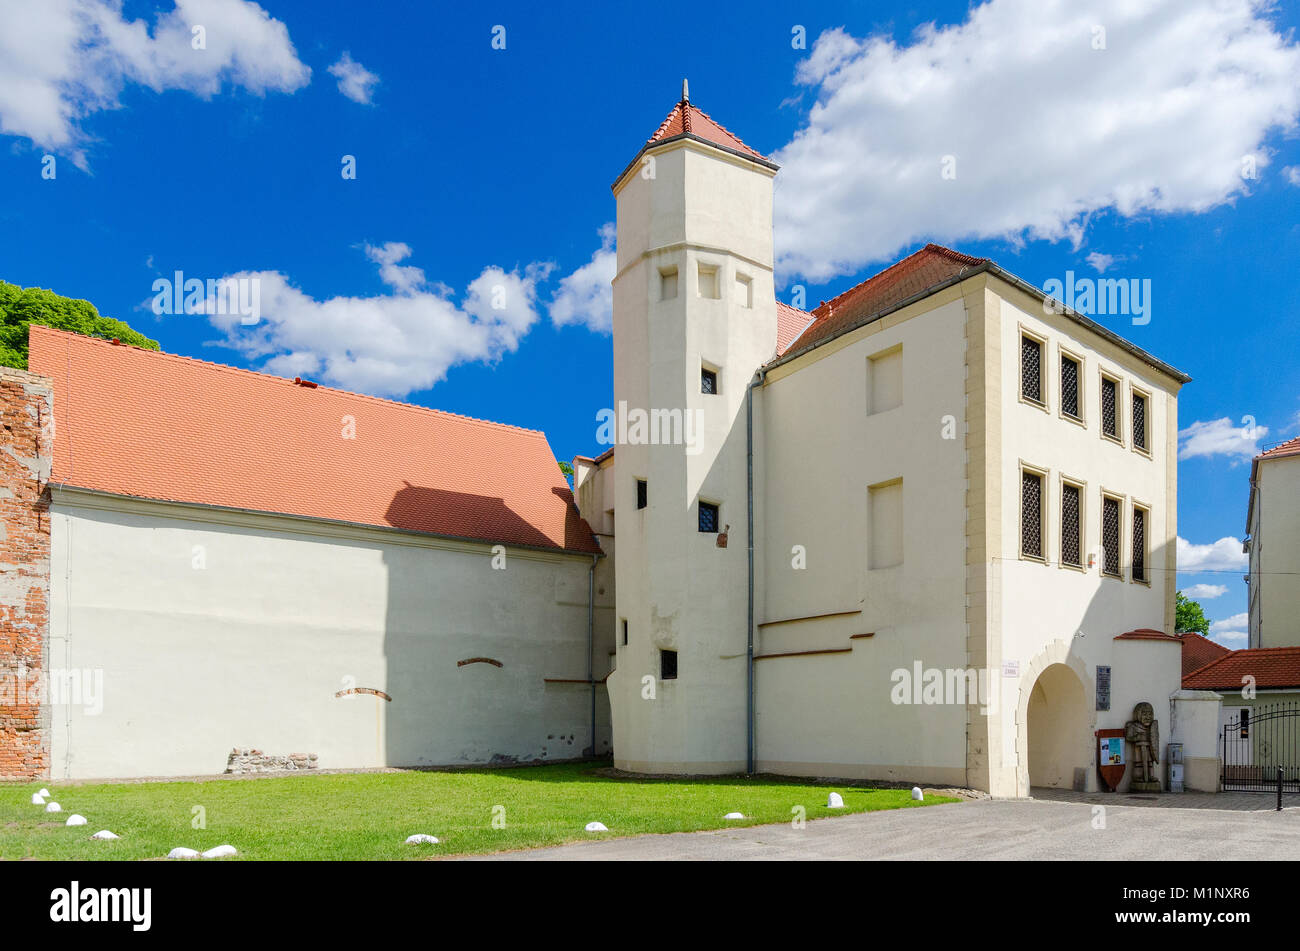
[(967, 259), (284, 379)]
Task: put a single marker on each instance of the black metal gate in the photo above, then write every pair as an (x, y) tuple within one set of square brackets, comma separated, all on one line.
[(1258, 741)]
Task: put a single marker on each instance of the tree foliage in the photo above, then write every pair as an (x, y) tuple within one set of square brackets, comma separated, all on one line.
[(20, 307), (1189, 616)]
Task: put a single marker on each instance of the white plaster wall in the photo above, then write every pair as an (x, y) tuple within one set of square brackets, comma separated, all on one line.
[(250, 648), (1276, 614)]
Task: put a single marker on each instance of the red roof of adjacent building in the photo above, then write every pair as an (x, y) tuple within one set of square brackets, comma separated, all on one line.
[(1199, 650), (1146, 634), (790, 323), (910, 277), (1289, 448), (1272, 667), (689, 119), (153, 425)]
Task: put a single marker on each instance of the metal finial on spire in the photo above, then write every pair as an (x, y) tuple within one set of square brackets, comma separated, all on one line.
[(686, 92)]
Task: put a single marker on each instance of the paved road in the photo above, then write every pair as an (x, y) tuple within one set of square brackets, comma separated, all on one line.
[(981, 829)]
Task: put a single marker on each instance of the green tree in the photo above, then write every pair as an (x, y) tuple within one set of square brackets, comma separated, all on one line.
[(1189, 616), (20, 307)]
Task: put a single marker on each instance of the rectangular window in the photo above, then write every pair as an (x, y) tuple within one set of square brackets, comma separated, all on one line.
[(708, 517), (668, 665), (1139, 421), (625, 632), (1031, 370), (1245, 723), (1031, 514), (1071, 525), (642, 493), (668, 284), (885, 524), (1110, 536), (708, 381), (1109, 407), (744, 291), (1139, 544), (708, 281), (885, 381), (1070, 387)]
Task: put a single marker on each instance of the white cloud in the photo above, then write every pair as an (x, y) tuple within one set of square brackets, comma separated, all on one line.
[(586, 296), (1223, 555), (392, 344), (1219, 437), (1231, 639), (1230, 629), (1292, 174), (62, 60), (355, 81), (1205, 592), (1044, 129), (1100, 261)]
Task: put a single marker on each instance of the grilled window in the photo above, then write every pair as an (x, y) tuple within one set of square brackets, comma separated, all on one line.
[(1110, 537), (708, 517), (1070, 387), (642, 493), (1071, 542), (1139, 421), (1139, 545), (708, 381), (1031, 514), (1031, 369), (1109, 410), (668, 665)]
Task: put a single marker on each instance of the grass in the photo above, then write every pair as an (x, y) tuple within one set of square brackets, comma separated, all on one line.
[(369, 815)]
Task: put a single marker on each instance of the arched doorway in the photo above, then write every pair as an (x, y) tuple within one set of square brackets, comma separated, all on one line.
[(1058, 722)]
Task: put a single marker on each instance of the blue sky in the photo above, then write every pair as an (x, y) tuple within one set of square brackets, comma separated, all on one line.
[(493, 167)]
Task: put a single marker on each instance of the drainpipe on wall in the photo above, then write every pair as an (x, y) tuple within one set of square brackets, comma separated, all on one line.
[(591, 646), (759, 377)]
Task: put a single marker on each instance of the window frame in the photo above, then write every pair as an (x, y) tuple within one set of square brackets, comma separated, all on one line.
[(642, 494), (700, 505), (1044, 509), (1063, 354), (663, 656), (1081, 486), (1120, 501), (673, 272), (1026, 334), (715, 372), (1134, 393), (715, 271), (1136, 506), (1102, 376)]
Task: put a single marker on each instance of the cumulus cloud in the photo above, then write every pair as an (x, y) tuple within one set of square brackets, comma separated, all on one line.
[(1205, 592), (1100, 262), (1220, 437), (1292, 174), (1230, 629), (62, 60), (1013, 124), (586, 296), (390, 344), (1223, 555), (355, 81)]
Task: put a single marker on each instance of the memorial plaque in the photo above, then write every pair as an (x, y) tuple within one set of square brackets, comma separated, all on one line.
[(1103, 688)]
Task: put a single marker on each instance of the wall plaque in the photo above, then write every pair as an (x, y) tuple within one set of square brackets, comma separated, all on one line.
[(1103, 688)]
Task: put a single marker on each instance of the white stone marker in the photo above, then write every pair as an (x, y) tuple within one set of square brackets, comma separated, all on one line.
[(917, 794), (44, 793), (734, 815), (38, 799), (220, 852), (105, 834), (834, 801), (75, 820), (421, 838), (596, 827), (53, 807), (182, 853)]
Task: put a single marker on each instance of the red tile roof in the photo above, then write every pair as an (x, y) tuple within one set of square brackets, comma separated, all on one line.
[(1289, 448), (688, 119), (1199, 650), (1272, 668), (1147, 634), (158, 426), (790, 323), (915, 274)]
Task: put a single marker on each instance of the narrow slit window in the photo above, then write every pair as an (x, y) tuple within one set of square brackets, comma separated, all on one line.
[(1071, 526), (1031, 514), (708, 517), (1140, 421), (1109, 408), (708, 282), (642, 493), (668, 665), (668, 284), (1139, 544), (1110, 537), (1031, 370), (624, 632), (1070, 387), (709, 381)]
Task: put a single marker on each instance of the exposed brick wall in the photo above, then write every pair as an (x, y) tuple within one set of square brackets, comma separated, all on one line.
[(26, 448)]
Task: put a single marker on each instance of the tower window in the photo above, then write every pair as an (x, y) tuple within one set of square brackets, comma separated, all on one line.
[(708, 517), (744, 291), (1110, 537), (642, 493), (1139, 421), (708, 381), (1109, 408), (1031, 514), (624, 632), (668, 284), (1070, 387), (668, 665), (1031, 369), (708, 281)]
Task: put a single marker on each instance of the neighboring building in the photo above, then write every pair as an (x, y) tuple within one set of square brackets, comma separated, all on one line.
[(947, 475), (240, 560), (1273, 544)]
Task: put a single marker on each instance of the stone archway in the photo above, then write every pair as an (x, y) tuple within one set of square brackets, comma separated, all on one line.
[(1055, 721)]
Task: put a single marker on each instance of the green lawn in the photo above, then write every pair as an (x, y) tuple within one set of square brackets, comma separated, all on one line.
[(369, 815)]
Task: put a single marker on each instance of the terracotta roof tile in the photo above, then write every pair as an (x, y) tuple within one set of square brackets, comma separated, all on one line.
[(1289, 448), (790, 323), (1199, 650), (159, 426), (1147, 634), (687, 118), (1272, 668)]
